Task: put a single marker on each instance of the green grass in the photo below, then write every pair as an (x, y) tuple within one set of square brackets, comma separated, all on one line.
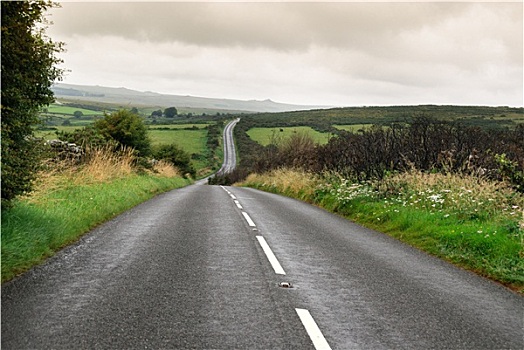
[(191, 141), (266, 136), (489, 248), (33, 231)]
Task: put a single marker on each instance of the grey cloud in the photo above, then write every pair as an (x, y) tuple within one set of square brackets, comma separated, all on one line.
[(273, 25), (401, 49)]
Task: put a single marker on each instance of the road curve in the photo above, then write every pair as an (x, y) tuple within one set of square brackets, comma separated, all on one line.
[(230, 161)]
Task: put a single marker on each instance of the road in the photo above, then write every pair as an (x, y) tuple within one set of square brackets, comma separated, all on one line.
[(209, 267), (230, 161)]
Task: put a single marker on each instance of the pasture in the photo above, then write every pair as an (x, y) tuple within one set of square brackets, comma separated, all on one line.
[(266, 136), (191, 141)]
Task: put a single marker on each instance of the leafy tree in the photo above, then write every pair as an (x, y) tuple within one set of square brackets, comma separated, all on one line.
[(29, 68), (78, 114), (127, 129), (170, 112), (175, 156), (157, 113)]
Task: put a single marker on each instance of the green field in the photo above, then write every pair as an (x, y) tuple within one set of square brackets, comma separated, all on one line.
[(65, 110), (191, 141), (266, 136)]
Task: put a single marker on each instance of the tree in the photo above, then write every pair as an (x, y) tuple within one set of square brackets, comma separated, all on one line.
[(170, 112), (29, 68), (157, 113), (78, 114), (127, 129)]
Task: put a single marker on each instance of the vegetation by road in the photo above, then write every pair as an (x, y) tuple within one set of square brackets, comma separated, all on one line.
[(475, 223), (71, 199), (449, 180), (29, 67)]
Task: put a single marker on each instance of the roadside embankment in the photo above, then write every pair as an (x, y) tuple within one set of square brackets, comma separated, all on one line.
[(471, 222), (68, 201)]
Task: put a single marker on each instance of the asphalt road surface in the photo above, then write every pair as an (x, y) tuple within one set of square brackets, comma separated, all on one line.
[(200, 268), (230, 161)]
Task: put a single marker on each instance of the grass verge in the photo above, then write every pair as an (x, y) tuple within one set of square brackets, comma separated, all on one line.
[(475, 224), (71, 201)]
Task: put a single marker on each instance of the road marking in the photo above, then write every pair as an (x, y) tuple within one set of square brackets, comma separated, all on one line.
[(238, 204), (248, 219), (270, 256), (312, 330), (233, 196)]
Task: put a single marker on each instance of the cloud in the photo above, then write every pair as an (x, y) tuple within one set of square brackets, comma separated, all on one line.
[(300, 52)]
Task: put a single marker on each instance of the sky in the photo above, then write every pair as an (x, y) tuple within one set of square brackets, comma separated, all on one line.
[(312, 53)]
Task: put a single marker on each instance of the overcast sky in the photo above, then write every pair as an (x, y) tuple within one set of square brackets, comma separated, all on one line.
[(339, 54)]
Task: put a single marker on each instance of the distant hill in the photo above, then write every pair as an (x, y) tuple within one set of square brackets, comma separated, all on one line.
[(134, 98)]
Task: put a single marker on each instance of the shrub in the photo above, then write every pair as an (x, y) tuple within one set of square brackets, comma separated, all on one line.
[(87, 137), (175, 156), (127, 129)]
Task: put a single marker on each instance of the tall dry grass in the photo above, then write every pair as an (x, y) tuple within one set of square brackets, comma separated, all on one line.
[(166, 169), (100, 165), (285, 180), (103, 164)]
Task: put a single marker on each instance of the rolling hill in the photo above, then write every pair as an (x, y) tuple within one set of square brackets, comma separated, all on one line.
[(125, 96)]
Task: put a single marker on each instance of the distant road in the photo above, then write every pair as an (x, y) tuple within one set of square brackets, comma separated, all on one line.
[(213, 267), (230, 160)]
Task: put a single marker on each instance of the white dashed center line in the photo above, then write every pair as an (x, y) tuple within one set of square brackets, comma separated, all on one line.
[(270, 256), (312, 330), (248, 219)]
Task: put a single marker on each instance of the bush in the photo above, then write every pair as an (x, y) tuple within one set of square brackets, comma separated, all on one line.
[(175, 156), (87, 137), (127, 129)]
